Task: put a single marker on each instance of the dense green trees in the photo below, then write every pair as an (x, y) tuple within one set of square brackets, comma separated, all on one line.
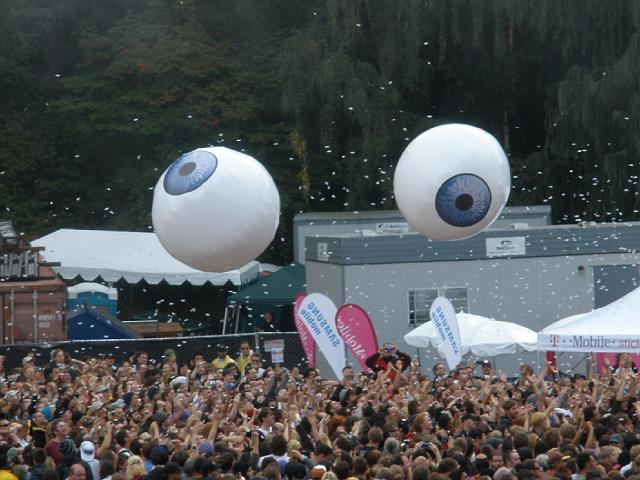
[(99, 97)]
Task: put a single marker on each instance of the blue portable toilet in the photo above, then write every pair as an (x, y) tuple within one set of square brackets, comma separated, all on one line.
[(102, 298)]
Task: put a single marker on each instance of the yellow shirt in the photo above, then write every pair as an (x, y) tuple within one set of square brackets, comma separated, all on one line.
[(242, 361), (217, 363), (7, 475)]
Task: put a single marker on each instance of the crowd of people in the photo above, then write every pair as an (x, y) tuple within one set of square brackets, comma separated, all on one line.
[(234, 418)]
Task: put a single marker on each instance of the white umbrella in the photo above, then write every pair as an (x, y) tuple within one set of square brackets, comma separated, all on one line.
[(479, 335), (497, 338)]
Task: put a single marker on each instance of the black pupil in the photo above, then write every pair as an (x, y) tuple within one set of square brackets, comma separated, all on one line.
[(187, 168), (464, 202)]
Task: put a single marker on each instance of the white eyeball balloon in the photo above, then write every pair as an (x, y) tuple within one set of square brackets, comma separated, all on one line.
[(452, 181), (215, 209)]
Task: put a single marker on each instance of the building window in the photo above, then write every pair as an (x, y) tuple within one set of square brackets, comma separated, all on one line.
[(458, 298), (420, 300)]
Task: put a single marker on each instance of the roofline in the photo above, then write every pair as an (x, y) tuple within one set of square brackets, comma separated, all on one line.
[(529, 210)]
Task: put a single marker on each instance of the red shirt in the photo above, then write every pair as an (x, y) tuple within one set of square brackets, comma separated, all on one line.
[(53, 450)]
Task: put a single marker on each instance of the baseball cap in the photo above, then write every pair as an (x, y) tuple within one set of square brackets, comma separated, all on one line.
[(616, 437), (181, 380), (318, 471), (495, 442), (120, 403), (67, 447), (87, 451), (205, 448)]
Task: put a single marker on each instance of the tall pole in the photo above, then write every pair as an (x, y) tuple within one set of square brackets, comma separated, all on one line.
[(12, 299), (35, 316)]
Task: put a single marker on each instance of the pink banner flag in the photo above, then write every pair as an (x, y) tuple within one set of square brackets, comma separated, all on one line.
[(355, 328), (308, 344), (613, 361)]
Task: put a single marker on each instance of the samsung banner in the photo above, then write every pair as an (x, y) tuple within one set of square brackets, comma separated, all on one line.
[(445, 321), (318, 313)]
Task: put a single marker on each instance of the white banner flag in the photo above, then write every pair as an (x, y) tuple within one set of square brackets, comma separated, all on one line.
[(445, 321), (319, 315)]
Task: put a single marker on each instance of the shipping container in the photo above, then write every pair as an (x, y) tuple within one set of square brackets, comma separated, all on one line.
[(33, 311)]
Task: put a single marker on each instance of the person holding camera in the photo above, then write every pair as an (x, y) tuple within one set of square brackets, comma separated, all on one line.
[(388, 357)]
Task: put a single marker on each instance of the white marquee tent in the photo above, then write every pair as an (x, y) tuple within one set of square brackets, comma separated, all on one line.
[(612, 328), (133, 256), (480, 336)]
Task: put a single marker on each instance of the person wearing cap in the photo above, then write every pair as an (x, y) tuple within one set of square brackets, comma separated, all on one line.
[(88, 454), (616, 440), (486, 370), (103, 393), (222, 359), (28, 361), (318, 471), (123, 443), (244, 358)]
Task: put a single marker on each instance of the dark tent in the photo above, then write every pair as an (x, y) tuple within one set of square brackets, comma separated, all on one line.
[(274, 293)]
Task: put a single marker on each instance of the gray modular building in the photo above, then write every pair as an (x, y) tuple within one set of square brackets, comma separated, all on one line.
[(316, 224), (531, 275)]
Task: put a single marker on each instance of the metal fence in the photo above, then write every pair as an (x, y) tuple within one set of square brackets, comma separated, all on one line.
[(185, 347)]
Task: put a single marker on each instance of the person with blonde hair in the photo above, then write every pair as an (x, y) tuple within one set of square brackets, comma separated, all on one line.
[(539, 423), (135, 468)]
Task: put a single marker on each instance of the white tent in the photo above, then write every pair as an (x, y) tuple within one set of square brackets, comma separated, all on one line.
[(133, 256), (612, 328), (481, 336)]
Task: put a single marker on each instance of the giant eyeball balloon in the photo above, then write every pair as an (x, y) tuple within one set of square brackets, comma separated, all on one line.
[(452, 181), (215, 209)]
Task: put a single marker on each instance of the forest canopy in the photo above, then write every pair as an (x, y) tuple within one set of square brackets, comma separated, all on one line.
[(98, 98)]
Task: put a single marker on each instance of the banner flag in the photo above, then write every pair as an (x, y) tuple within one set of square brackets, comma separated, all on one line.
[(318, 312), (355, 328), (444, 319), (308, 345)]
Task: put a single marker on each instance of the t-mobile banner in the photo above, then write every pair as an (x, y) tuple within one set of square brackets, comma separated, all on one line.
[(355, 328), (318, 313), (308, 345), (444, 319)]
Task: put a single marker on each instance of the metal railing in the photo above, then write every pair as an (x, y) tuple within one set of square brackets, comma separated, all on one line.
[(184, 347)]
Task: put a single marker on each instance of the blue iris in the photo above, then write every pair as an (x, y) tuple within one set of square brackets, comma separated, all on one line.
[(189, 171), (463, 200)]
